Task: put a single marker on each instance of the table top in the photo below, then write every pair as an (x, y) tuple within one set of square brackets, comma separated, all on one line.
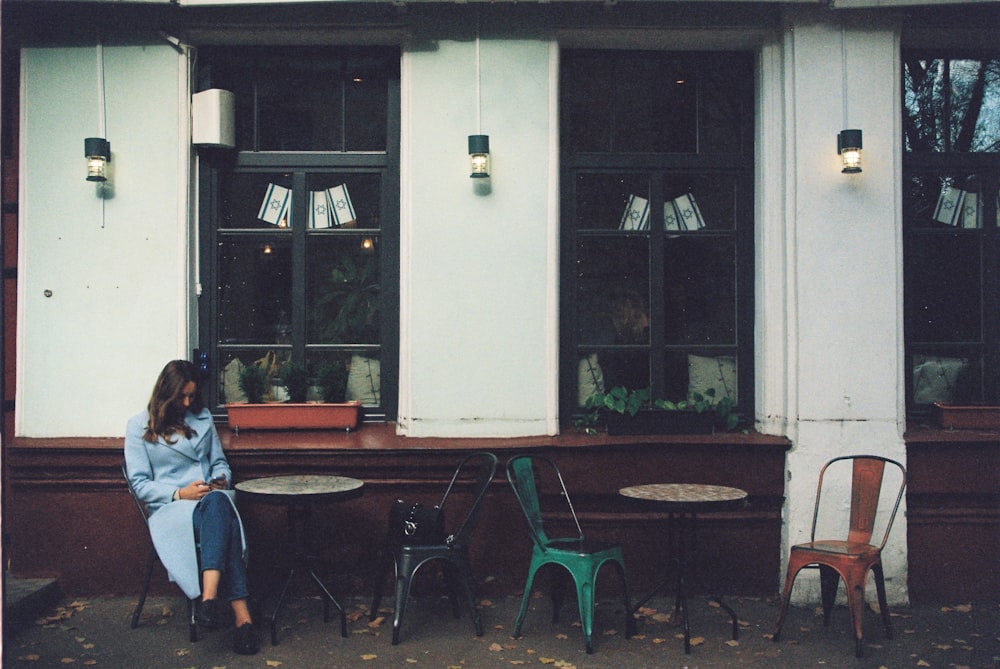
[(302, 486), (692, 497)]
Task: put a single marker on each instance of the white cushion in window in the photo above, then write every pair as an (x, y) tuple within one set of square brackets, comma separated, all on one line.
[(364, 380), (231, 390), (706, 372), (590, 379), (935, 379)]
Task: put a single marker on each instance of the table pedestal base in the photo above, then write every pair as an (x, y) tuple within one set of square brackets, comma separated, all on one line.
[(298, 524), (683, 550)]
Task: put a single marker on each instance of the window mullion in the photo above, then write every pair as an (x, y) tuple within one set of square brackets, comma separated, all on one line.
[(300, 200), (657, 325)]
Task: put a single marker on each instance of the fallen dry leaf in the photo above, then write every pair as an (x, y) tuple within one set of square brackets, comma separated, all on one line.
[(369, 656), (732, 642), (495, 647), (273, 663), (923, 663), (377, 622), (547, 660)]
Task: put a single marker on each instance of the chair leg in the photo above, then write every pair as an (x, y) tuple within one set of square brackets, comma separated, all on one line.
[(404, 577), (585, 600), (463, 576), (829, 580), (381, 571), (855, 602), (786, 595), (150, 561), (524, 600), (192, 623), (629, 618), (882, 602)]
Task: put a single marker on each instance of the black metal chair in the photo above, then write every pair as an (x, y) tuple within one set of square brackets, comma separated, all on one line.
[(150, 562), (477, 470)]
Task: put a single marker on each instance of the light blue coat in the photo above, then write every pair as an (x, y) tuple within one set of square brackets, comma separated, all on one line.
[(156, 470)]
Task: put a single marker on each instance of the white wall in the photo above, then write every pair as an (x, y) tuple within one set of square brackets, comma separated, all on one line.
[(843, 290), (116, 268), (477, 333)]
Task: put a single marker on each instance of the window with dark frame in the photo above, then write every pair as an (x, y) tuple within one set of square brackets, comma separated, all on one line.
[(951, 174), (657, 233), (299, 226)]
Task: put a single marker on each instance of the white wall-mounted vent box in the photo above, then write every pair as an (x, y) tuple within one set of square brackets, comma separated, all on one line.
[(213, 120)]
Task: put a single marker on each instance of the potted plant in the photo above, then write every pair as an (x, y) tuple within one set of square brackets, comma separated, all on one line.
[(632, 412), (296, 414)]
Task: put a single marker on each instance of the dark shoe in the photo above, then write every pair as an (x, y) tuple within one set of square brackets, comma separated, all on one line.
[(246, 642), (209, 614)]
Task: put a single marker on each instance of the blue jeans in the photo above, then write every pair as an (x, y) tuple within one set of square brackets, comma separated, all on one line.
[(217, 530)]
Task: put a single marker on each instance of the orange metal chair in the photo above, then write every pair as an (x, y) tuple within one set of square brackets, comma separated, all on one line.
[(853, 558)]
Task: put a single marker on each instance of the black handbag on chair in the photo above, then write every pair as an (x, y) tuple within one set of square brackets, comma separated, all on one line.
[(415, 524)]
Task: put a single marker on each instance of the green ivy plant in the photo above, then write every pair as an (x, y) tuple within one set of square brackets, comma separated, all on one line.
[(624, 401)]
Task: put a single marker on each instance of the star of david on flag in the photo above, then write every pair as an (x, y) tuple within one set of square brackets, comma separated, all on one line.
[(949, 209), (319, 210), (341, 208), (682, 213), (636, 216), (276, 204)]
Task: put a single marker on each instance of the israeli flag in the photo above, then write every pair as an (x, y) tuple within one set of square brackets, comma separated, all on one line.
[(636, 216), (972, 215), (319, 210), (949, 206), (274, 208), (341, 208), (685, 214)]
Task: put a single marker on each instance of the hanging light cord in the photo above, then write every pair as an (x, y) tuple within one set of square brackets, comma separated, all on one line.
[(479, 103), (102, 130), (843, 72)]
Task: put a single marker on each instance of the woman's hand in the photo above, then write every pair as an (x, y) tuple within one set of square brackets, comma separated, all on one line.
[(195, 491)]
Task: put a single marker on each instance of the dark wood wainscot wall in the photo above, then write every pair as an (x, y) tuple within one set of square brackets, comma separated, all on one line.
[(953, 515), (68, 513)]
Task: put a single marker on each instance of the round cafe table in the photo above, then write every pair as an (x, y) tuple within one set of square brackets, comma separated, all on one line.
[(299, 494), (683, 502)]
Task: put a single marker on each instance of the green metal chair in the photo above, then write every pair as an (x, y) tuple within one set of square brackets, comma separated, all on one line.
[(583, 559)]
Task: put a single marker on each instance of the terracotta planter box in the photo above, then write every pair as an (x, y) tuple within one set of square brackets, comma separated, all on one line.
[(981, 417), (286, 416)]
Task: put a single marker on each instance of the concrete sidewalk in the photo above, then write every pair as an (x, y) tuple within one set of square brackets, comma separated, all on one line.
[(95, 633)]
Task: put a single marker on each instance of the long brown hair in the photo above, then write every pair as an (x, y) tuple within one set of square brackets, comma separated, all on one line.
[(166, 412)]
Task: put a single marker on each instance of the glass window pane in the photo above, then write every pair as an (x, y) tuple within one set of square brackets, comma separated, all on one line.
[(699, 294), (603, 201), (255, 200), (233, 362), (655, 104), (366, 99), (344, 200), (588, 101), (299, 104), (613, 290), (945, 378), (342, 295), (951, 105), (705, 201), (943, 288), (722, 108), (255, 290)]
